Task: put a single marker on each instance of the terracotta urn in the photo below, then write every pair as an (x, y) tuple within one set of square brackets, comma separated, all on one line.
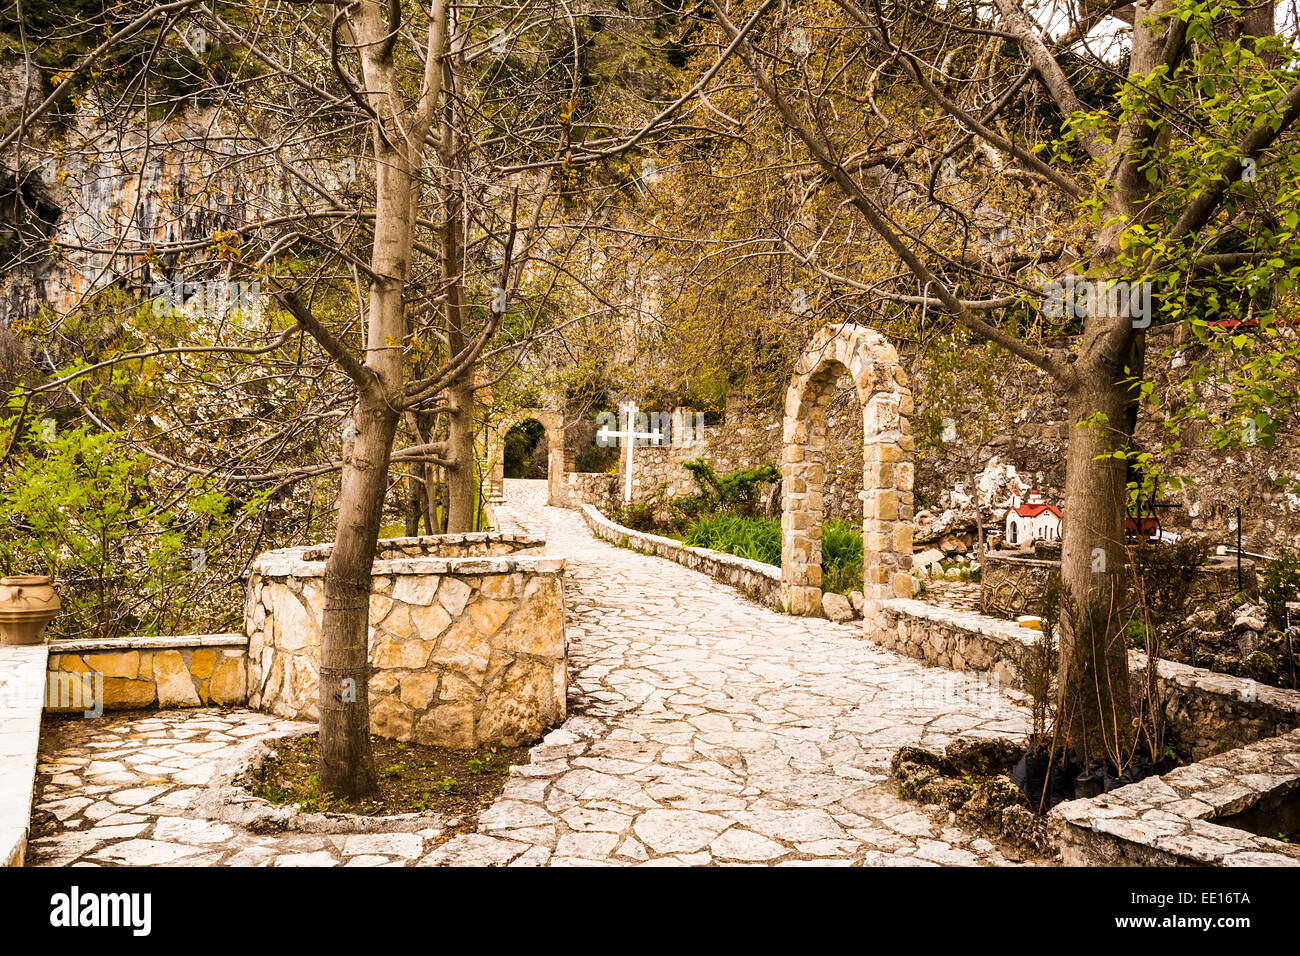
[(27, 604)]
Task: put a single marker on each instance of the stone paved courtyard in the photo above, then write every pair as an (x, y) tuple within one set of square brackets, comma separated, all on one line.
[(704, 729)]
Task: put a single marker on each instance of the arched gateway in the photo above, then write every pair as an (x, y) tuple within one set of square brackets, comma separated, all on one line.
[(559, 461), (872, 363)]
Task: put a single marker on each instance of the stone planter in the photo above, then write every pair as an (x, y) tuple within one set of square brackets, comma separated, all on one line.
[(27, 604), (466, 639)]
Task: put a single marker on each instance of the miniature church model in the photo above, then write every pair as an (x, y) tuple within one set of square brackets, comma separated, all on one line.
[(1032, 519)]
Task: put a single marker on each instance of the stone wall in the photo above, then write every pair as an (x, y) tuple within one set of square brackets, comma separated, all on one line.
[(22, 673), (603, 492), (464, 651), (1012, 583), (1205, 712), (760, 582), (1190, 816), (957, 640), (131, 673)]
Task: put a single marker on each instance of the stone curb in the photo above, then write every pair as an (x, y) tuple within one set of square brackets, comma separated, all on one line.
[(1169, 820), (169, 642), (226, 799)]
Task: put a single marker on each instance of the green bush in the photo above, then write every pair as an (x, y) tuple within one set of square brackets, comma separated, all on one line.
[(841, 557), (638, 517), (1281, 583), (736, 491), (760, 540), (684, 511), (751, 538), (1167, 575), (77, 505)]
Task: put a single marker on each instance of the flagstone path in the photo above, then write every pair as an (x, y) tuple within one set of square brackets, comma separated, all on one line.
[(703, 729)]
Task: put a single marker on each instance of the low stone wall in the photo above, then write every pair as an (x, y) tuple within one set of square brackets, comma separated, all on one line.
[(760, 582), (464, 651), (130, 673), (957, 640), (1187, 816), (1205, 713), (604, 492), (479, 544), (22, 686)]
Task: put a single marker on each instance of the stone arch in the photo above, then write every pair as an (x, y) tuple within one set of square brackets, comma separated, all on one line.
[(888, 445), (559, 459)]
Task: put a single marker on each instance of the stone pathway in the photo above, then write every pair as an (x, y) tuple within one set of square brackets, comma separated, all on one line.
[(704, 729), (954, 595)]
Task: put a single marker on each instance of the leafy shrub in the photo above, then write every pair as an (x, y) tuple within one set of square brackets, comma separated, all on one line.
[(1281, 583), (639, 516), (74, 504), (736, 491), (685, 510), (1166, 581), (841, 557), (751, 538)]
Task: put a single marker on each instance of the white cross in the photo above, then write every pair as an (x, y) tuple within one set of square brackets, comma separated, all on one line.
[(630, 435)]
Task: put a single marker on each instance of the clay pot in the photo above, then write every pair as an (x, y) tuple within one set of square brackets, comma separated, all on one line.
[(27, 604)]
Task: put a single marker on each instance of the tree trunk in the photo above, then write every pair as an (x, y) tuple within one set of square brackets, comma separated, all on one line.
[(462, 483), (1096, 714), (415, 498), (346, 766)]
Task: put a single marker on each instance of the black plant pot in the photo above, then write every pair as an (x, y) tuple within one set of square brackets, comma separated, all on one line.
[(1103, 779), (1046, 782)]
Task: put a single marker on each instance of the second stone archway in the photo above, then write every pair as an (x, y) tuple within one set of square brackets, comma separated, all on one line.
[(872, 364)]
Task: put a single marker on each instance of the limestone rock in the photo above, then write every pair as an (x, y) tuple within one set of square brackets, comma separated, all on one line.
[(390, 718), (228, 684), (452, 595), (489, 615), (175, 686), (415, 589), (1250, 617), (115, 664), (124, 694), (447, 725), (520, 704), (418, 689), (837, 607), (202, 661)]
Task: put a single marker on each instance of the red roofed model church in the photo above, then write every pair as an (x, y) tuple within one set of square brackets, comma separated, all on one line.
[(1035, 518)]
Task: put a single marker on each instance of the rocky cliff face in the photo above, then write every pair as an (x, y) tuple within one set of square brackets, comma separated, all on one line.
[(111, 200)]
